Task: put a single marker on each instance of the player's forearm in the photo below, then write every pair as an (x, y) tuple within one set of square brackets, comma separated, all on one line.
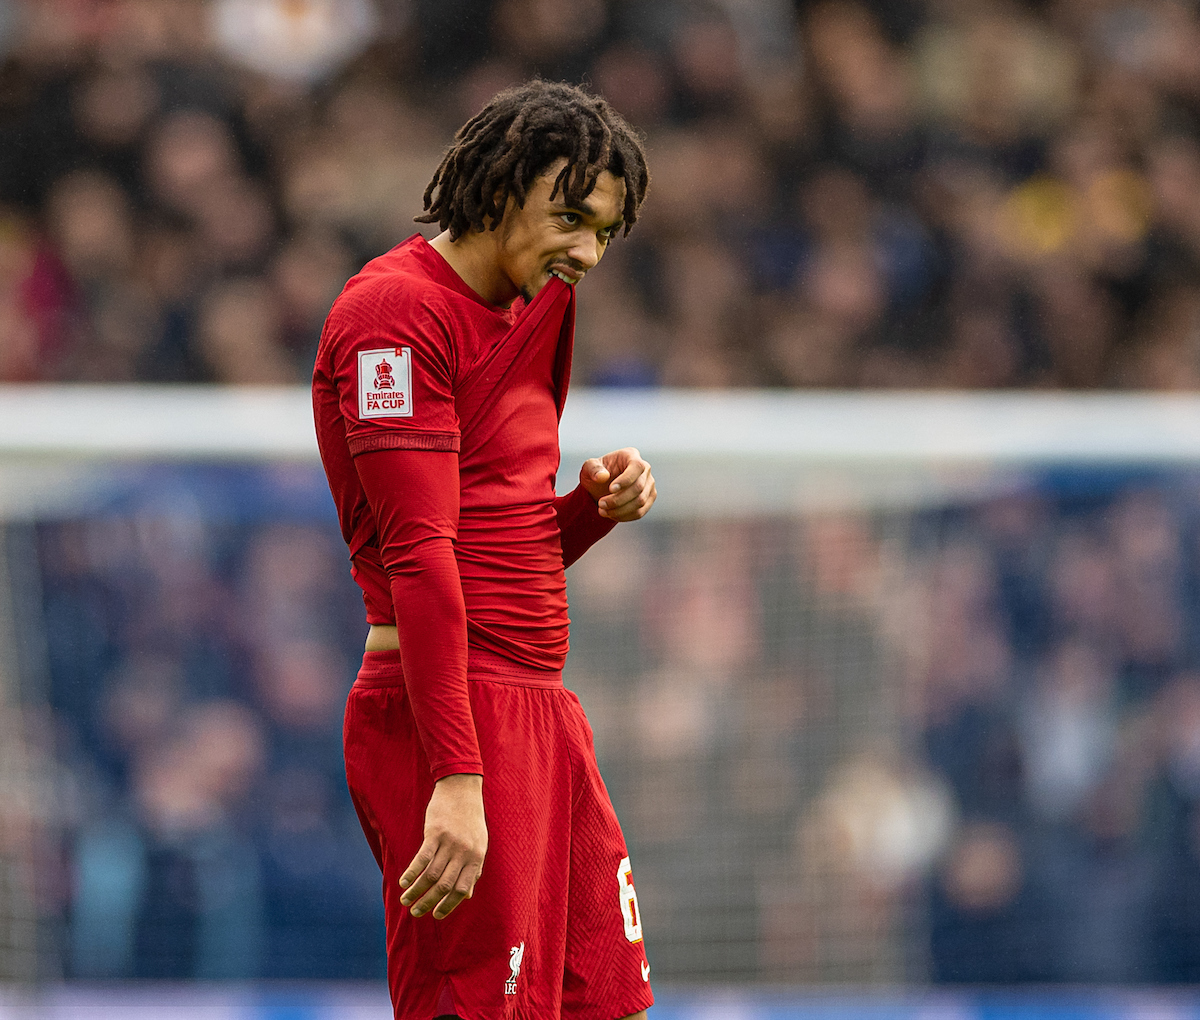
[(580, 525), (431, 625), (414, 499)]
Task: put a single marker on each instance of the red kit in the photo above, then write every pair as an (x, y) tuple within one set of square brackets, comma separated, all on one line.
[(413, 360)]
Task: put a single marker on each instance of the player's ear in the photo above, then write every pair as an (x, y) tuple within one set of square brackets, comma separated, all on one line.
[(502, 201)]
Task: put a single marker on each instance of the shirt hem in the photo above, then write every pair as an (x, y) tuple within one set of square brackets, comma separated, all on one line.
[(384, 668)]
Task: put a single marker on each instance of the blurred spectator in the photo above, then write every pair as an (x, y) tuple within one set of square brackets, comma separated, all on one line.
[(1173, 929), (200, 912), (294, 41), (240, 334)]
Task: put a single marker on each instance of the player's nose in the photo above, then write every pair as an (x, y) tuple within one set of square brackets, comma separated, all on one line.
[(586, 252)]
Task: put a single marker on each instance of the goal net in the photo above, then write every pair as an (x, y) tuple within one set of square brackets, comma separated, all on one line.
[(887, 688)]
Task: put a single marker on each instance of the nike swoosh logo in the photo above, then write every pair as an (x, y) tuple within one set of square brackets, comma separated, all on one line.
[(645, 971)]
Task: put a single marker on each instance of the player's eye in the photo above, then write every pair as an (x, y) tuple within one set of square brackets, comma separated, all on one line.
[(570, 219)]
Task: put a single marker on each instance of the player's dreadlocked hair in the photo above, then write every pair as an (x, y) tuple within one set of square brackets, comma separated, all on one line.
[(502, 149)]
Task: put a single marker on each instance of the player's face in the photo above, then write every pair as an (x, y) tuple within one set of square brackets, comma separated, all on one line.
[(547, 237)]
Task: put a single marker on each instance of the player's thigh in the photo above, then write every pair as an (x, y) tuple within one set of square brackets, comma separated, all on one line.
[(469, 955), (606, 970), (386, 769), (513, 930)]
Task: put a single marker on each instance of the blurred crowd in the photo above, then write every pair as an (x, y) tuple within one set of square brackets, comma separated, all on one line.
[(195, 667), (959, 744), (1057, 689), (958, 193), (870, 746)]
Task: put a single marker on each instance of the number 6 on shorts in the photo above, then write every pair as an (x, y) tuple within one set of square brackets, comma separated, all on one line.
[(629, 904)]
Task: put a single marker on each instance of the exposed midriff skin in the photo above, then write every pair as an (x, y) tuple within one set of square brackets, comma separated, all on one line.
[(382, 638)]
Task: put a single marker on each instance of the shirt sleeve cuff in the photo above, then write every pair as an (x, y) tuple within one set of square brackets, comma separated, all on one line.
[(453, 768), (443, 442)]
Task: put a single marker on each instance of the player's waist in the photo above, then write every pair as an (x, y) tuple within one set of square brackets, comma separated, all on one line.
[(520, 524), (522, 536), (381, 667)]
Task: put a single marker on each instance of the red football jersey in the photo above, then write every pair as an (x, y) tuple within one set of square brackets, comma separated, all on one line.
[(411, 358)]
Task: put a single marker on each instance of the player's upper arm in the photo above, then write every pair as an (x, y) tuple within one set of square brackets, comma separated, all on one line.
[(392, 361)]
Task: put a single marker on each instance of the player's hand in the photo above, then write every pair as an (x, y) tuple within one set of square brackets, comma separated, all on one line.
[(621, 484), (450, 860)]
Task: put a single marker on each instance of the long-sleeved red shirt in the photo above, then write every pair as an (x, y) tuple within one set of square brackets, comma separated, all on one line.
[(437, 419)]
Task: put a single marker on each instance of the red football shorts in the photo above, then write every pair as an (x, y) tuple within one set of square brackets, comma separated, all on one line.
[(553, 927)]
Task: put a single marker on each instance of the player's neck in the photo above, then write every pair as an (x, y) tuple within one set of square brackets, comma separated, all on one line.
[(474, 258)]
